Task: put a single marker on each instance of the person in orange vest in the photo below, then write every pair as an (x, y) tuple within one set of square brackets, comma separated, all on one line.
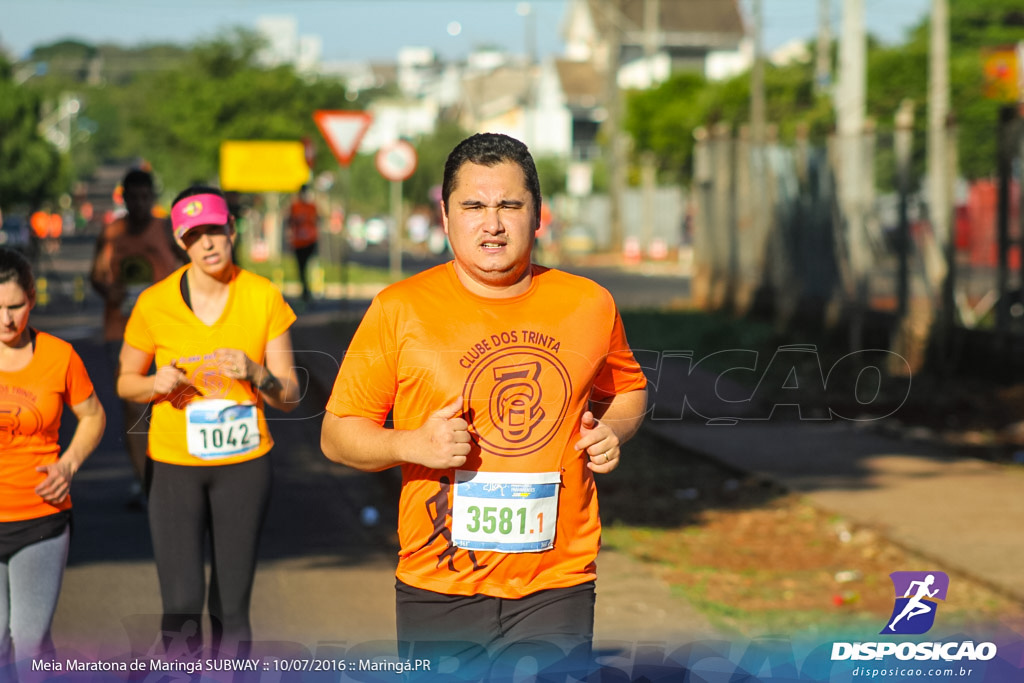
[(303, 233)]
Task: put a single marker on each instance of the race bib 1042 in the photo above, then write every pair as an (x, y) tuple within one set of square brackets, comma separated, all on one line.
[(220, 428), (505, 512)]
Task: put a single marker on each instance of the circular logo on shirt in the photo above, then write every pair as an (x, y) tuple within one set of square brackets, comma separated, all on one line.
[(515, 399), (18, 416), (137, 269)]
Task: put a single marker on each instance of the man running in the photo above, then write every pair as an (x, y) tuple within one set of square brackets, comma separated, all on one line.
[(511, 386), (132, 252)]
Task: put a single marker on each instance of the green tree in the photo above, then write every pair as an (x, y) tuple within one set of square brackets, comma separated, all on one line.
[(662, 120), (65, 60), (366, 189), (31, 169), (551, 173), (178, 118)]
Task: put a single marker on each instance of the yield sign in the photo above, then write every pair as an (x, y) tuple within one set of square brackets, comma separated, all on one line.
[(343, 131)]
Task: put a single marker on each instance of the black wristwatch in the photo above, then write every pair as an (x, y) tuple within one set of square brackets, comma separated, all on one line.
[(268, 382)]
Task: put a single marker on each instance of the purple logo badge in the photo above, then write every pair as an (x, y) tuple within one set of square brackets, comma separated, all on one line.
[(916, 596)]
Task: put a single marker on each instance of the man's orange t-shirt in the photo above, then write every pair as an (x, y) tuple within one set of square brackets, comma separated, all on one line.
[(527, 368), (164, 326), (134, 260), (31, 404)]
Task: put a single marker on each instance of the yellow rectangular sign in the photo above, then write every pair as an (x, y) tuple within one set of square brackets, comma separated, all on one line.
[(263, 165), (1003, 72)]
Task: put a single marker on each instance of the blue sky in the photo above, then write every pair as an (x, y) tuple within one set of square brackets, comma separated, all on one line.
[(376, 29)]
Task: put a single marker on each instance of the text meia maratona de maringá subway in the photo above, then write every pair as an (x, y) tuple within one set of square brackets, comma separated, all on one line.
[(185, 666)]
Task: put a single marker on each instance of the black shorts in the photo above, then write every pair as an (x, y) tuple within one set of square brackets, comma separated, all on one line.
[(492, 638)]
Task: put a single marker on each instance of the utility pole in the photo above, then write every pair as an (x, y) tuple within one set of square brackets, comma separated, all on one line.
[(613, 105), (904, 142), (758, 209), (757, 107), (648, 170), (823, 58), (525, 10), (850, 99), (939, 181)]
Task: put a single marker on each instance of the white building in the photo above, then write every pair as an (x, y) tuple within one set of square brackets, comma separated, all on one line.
[(286, 46)]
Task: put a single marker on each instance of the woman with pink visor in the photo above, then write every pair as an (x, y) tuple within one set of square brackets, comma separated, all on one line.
[(219, 337)]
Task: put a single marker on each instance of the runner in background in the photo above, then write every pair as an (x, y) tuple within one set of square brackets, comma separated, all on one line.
[(132, 252), (303, 233), (219, 337), (39, 375)]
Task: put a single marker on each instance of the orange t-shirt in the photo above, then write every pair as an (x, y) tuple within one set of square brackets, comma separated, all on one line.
[(164, 326), (31, 404), (136, 261), (302, 219), (527, 368)]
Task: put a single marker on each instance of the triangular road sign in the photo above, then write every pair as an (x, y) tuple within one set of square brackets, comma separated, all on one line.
[(343, 131)]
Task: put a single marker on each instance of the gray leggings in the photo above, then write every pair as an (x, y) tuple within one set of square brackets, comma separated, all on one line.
[(29, 586)]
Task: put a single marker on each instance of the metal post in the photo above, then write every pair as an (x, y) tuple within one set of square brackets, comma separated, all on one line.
[(648, 168), (613, 103), (703, 184), (938, 113), (757, 94), (851, 96), (395, 242), (1004, 170), (904, 142), (346, 190), (949, 311)]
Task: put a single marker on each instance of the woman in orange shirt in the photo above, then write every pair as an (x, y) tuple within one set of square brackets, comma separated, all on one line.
[(219, 337), (39, 374)]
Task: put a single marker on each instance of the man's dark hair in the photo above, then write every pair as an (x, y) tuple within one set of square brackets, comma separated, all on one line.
[(491, 149), (137, 178), (15, 267)]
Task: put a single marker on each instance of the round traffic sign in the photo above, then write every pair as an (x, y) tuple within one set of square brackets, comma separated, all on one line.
[(396, 161)]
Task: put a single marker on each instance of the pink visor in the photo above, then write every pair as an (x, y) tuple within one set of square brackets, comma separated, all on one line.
[(199, 209)]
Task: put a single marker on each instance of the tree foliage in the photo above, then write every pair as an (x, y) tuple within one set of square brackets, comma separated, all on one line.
[(177, 119), (173, 106), (661, 120), (31, 169)]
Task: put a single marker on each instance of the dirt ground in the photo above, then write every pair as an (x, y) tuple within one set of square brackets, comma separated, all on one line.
[(757, 560)]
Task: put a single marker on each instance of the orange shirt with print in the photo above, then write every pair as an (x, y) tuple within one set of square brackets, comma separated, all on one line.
[(164, 326), (32, 401), (302, 223), (527, 368)]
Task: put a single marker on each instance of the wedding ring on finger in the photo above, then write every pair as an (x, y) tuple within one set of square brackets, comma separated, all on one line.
[(607, 457)]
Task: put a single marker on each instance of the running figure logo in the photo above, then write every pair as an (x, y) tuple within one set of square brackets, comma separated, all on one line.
[(916, 595)]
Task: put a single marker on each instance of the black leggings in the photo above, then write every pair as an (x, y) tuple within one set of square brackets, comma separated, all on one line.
[(185, 503)]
